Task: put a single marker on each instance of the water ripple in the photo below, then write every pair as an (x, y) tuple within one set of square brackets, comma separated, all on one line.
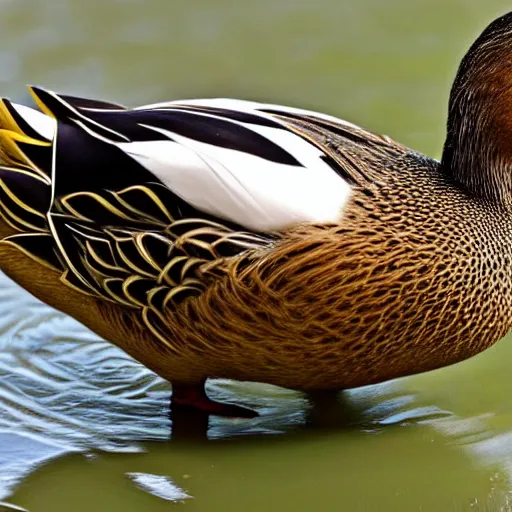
[(62, 389)]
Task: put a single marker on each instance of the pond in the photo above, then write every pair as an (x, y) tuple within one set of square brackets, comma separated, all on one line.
[(83, 427)]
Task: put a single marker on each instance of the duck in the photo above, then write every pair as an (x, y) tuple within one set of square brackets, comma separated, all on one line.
[(223, 238)]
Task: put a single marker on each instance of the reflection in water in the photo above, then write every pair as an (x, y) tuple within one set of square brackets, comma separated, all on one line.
[(8, 507), (159, 486)]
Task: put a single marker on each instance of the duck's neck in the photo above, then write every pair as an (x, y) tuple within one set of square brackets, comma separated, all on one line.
[(478, 148)]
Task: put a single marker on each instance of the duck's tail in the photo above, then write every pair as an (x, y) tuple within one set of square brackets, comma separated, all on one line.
[(28, 140), (31, 198), (26, 137)]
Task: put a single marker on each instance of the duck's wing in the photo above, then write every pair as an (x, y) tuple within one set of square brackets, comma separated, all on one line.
[(358, 155), (134, 205)]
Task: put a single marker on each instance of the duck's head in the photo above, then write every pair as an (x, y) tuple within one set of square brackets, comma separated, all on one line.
[(478, 147)]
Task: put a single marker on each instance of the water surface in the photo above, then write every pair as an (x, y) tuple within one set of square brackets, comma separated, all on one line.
[(83, 427)]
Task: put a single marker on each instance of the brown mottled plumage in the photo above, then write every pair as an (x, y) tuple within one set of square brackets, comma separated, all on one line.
[(415, 275)]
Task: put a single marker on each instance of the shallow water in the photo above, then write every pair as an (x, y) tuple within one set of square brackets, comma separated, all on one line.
[(83, 427)]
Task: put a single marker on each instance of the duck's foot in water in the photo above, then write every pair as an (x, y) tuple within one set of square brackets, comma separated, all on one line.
[(193, 397)]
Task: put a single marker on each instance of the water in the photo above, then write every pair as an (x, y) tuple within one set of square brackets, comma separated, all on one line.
[(83, 427)]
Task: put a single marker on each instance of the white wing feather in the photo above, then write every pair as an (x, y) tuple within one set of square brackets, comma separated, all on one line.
[(256, 193), (44, 125)]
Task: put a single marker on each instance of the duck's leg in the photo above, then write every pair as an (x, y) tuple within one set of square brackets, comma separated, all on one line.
[(193, 396)]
